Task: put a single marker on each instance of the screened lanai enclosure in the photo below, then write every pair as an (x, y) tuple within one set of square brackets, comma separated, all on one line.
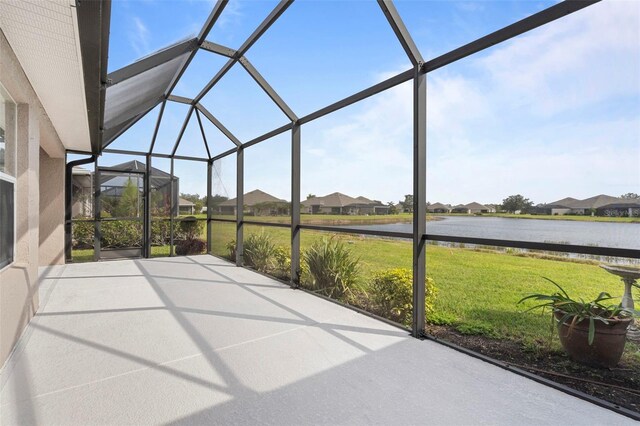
[(138, 179)]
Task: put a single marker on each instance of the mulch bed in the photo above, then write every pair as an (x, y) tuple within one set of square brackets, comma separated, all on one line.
[(625, 379)]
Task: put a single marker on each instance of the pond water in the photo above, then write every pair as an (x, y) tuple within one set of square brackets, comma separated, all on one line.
[(601, 234)]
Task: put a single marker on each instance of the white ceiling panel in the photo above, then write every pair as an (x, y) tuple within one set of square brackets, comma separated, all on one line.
[(44, 36)]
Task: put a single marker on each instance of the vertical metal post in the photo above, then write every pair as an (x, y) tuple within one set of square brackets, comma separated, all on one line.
[(240, 207), (97, 228), (146, 227), (209, 205), (171, 207), (419, 199), (295, 205)]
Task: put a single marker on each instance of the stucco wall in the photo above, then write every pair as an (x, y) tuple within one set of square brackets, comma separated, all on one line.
[(51, 210), (19, 281)]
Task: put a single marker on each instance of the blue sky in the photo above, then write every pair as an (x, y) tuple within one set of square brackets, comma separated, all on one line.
[(550, 114)]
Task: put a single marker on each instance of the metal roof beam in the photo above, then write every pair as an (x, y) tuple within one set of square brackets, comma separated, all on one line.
[(204, 137), (184, 127), (218, 48), (224, 154), (264, 26), (155, 131), (157, 155), (373, 90), (404, 37), (253, 72), (180, 99), (204, 32), (268, 135), (218, 124), (536, 20)]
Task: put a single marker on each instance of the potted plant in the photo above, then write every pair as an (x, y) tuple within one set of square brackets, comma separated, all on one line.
[(592, 333)]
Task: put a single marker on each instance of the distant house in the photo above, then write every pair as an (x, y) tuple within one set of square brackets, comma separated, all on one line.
[(186, 206), (438, 208), (472, 208), (626, 208), (589, 205), (367, 206), (338, 203), (601, 205), (256, 203)]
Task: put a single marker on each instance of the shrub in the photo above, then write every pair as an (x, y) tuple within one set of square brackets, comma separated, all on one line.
[(332, 269), (391, 295), (231, 247), (190, 227), (189, 243), (160, 232), (82, 235), (282, 263), (121, 233), (190, 246), (259, 251)]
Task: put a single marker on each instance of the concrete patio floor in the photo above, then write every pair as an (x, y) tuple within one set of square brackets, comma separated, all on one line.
[(195, 340)]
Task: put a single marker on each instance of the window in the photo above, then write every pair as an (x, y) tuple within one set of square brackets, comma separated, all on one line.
[(7, 178)]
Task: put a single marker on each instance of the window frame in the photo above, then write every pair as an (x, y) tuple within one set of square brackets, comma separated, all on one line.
[(12, 258), (6, 97)]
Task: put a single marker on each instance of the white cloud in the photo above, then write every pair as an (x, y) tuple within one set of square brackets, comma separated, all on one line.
[(550, 114), (139, 36), (366, 149)]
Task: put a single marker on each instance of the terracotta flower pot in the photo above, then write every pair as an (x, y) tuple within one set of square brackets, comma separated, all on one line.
[(607, 346)]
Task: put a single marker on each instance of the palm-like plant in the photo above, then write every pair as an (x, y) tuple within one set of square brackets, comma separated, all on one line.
[(332, 267), (571, 311)]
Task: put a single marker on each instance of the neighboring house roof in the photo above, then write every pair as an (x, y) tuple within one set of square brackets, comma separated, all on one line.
[(186, 203), (254, 197), (367, 202), (475, 206), (595, 202), (159, 178), (336, 199), (634, 204), (567, 203), (435, 206)]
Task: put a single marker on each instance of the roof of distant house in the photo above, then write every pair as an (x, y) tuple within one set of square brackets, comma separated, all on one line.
[(475, 206), (183, 202), (254, 197), (589, 203), (440, 206), (336, 199), (595, 202)]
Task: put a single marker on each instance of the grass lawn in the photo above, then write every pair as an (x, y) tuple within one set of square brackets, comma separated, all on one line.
[(477, 290)]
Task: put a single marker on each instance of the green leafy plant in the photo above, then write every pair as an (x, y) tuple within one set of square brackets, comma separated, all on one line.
[(191, 228), (231, 248), (572, 311), (282, 263), (259, 251), (332, 269), (391, 294)]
